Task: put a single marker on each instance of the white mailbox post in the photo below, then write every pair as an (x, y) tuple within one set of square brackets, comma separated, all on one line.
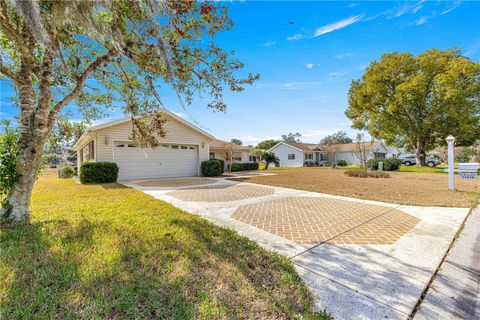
[(451, 170)]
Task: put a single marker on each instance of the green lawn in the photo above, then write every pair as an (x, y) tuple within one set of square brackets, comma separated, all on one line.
[(110, 252)]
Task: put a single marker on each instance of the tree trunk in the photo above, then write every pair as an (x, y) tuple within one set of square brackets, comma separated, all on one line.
[(266, 165), (421, 154), (18, 200)]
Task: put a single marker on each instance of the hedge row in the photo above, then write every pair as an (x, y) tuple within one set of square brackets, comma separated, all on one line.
[(98, 172), (244, 166)]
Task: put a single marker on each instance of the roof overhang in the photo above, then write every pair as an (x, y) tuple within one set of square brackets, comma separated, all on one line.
[(283, 142), (88, 133)]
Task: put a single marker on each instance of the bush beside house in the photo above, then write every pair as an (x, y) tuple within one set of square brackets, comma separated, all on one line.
[(67, 172), (98, 172), (211, 168), (244, 166), (341, 163)]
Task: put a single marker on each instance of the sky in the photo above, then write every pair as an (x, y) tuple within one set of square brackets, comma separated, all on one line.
[(307, 54)]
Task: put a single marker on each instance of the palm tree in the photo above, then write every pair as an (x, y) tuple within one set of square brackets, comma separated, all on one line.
[(270, 157)]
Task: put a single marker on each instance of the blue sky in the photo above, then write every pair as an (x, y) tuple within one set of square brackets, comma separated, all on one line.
[(307, 53)]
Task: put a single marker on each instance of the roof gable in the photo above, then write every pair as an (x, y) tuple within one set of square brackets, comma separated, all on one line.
[(87, 133)]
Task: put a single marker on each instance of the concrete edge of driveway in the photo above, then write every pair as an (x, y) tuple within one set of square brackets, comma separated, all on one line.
[(454, 293)]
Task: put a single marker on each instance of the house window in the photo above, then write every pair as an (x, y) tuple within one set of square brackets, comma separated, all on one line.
[(212, 155), (291, 156), (88, 152), (92, 150), (252, 158), (175, 147), (308, 156), (380, 155), (237, 158), (132, 146)]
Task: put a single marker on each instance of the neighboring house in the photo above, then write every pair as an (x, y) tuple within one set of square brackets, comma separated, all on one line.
[(179, 154), (224, 150), (297, 154), (349, 151)]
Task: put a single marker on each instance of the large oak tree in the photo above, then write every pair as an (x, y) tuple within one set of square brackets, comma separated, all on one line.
[(102, 54), (417, 101)]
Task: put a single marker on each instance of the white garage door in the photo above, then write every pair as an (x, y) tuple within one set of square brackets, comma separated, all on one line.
[(165, 161)]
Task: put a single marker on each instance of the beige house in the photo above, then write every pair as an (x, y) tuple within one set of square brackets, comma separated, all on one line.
[(179, 154), (228, 151)]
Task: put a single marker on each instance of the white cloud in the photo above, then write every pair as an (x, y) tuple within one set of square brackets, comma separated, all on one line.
[(454, 6), (309, 66), (338, 74), (422, 20), (269, 43), (290, 85), (297, 36), (416, 9), (344, 55), (337, 25), (353, 5)]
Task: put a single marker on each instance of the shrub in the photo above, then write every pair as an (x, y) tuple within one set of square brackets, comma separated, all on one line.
[(98, 172), (68, 172), (359, 173), (222, 164), (244, 166), (390, 164), (341, 163), (8, 158), (211, 168)]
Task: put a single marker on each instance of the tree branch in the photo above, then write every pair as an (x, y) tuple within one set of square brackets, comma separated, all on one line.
[(99, 62), (7, 72)]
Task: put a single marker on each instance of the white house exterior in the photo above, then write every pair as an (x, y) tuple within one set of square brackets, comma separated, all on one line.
[(179, 154), (297, 154)]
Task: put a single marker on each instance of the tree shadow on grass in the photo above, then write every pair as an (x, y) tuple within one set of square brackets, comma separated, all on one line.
[(83, 269)]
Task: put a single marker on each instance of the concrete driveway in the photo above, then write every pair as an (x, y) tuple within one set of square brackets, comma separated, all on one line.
[(362, 259)]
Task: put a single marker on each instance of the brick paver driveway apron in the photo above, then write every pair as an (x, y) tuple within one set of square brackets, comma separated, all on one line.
[(362, 259)]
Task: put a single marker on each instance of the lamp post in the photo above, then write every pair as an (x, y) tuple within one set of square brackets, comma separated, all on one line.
[(451, 182)]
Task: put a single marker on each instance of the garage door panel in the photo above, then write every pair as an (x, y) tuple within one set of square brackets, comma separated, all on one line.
[(161, 162)]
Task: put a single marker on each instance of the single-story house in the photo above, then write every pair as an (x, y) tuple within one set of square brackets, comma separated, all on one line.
[(224, 150), (297, 154), (179, 154)]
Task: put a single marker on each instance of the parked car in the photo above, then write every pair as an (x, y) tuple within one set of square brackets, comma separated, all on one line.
[(411, 161)]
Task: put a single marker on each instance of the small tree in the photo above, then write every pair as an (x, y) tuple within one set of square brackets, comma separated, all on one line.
[(331, 150), (270, 157), (8, 159), (292, 137), (257, 153), (363, 150)]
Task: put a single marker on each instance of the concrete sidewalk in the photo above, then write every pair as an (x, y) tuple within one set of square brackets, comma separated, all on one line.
[(366, 260), (455, 291)]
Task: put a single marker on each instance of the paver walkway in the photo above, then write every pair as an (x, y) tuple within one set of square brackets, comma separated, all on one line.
[(362, 259)]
